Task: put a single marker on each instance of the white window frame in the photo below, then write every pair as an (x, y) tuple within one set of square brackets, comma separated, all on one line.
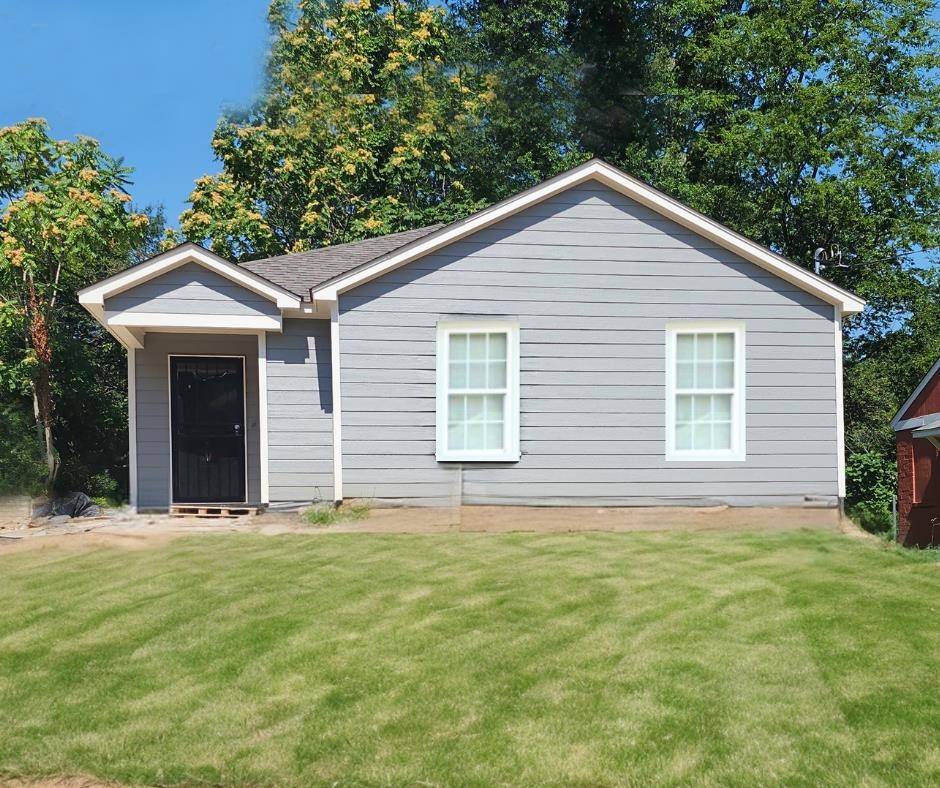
[(737, 452), (510, 450)]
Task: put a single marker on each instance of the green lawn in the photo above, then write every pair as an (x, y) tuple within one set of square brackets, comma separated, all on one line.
[(800, 658)]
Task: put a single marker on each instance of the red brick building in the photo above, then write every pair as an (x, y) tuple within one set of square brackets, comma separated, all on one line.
[(917, 427)]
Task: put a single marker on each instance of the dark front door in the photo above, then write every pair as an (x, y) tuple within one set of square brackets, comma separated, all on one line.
[(207, 414)]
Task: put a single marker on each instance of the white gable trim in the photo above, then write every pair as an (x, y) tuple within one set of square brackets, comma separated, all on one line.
[(898, 423), (188, 253), (625, 184)]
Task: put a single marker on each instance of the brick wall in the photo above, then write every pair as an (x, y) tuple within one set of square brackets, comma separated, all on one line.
[(918, 491)]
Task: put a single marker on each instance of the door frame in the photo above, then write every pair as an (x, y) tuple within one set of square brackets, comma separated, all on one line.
[(169, 411)]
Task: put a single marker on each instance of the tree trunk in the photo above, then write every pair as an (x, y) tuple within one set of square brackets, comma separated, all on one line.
[(43, 400)]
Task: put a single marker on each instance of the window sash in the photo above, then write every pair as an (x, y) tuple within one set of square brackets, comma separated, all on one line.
[(703, 348), (469, 354)]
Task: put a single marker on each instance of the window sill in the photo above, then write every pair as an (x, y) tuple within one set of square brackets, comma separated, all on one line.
[(705, 457), (478, 457)]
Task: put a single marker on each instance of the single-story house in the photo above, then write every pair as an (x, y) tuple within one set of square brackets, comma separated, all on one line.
[(917, 431), (590, 341)]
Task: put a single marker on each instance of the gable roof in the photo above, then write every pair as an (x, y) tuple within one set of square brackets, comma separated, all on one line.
[(616, 179), (95, 295), (898, 422), (300, 272)]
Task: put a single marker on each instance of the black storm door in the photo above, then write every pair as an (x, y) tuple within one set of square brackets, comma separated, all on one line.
[(207, 414)]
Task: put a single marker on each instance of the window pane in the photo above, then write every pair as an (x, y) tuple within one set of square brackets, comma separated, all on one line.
[(684, 407), (494, 407), (494, 436), (475, 407), (458, 347), (476, 435), (702, 436), (724, 347), (684, 437), (704, 375), (704, 347), (685, 375), (458, 375), (478, 347), (724, 374), (456, 411), (476, 375), (685, 347), (497, 346), (721, 435), (721, 407), (497, 375)]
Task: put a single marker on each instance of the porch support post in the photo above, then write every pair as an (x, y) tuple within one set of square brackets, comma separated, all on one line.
[(132, 426), (263, 415), (840, 410), (337, 404)]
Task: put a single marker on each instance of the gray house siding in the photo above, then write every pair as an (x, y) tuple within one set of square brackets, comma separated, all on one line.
[(191, 289), (153, 409), (300, 412), (592, 278)]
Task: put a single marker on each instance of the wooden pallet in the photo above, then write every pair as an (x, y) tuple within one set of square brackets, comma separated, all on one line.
[(211, 511)]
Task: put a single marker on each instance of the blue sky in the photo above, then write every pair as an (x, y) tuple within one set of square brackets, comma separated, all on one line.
[(147, 78)]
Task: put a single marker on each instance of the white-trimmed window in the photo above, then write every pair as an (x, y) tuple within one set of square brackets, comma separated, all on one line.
[(478, 391), (705, 391)]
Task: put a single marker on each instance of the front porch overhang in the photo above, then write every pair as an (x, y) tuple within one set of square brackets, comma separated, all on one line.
[(130, 326)]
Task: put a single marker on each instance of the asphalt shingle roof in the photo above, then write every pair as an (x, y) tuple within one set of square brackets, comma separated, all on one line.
[(301, 271)]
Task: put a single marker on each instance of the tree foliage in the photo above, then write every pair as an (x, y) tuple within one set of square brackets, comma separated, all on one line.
[(362, 130), (65, 223)]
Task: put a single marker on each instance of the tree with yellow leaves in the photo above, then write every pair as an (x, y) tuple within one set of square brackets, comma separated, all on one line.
[(362, 130), (65, 221)]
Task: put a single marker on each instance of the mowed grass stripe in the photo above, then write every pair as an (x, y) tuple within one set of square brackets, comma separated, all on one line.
[(701, 658)]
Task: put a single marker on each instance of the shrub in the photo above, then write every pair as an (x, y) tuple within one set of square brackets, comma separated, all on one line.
[(871, 484)]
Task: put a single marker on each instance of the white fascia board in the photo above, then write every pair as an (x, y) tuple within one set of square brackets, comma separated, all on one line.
[(840, 406), (156, 321), (97, 293), (631, 187), (897, 421)]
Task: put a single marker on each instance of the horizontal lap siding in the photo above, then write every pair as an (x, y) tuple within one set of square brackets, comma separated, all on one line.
[(592, 279), (300, 412), (153, 409), (192, 289)]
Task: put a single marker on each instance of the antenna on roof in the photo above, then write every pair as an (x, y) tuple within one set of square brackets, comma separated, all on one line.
[(827, 258)]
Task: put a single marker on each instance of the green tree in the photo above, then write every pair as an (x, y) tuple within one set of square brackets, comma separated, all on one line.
[(360, 132), (530, 129), (65, 223)]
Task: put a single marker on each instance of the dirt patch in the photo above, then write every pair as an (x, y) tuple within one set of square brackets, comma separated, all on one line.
[(507, 519), (14, 511), (56, 782), (136, 532)]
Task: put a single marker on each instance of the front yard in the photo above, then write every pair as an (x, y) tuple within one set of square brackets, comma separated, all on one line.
[(799, 658)]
